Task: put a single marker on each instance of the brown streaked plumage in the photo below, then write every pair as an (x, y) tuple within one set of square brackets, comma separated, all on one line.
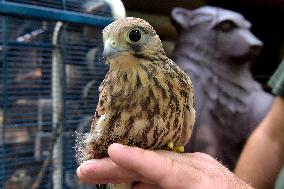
[(145, 100)]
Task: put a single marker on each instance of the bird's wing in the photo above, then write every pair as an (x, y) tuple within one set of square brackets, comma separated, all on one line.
[(189, 113), (189, 119), (102, 109), (185, 86)]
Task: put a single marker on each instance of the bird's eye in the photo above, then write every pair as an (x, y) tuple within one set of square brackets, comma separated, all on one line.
[(134, 35)]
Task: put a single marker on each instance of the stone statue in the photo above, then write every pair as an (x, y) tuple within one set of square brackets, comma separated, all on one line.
[(216, 48)]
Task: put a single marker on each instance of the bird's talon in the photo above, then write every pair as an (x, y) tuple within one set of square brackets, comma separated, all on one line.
[(171, 145), (178, 149)]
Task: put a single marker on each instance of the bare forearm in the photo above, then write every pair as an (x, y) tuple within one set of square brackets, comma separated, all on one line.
[(263, 155), (260, 162)]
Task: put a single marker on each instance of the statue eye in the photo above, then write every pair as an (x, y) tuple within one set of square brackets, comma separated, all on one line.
[(226, 26), (134, 35)]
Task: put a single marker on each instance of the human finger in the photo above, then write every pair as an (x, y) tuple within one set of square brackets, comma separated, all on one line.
[(103, 171)]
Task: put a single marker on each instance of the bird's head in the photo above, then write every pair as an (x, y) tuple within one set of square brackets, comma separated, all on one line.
[(128, 39)]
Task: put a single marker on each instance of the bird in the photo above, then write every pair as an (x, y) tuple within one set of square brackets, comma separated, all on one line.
[(145, 100)]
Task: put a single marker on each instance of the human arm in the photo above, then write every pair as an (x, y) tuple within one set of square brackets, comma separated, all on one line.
[(158, 169), (263, 155)]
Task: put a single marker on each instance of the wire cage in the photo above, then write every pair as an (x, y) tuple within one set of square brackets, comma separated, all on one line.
[(51, 66)]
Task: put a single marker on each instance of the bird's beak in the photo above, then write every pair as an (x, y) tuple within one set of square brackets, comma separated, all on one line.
[(110, 49)]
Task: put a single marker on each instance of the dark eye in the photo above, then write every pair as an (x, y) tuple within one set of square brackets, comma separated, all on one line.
[(134, 35), (226, 26)]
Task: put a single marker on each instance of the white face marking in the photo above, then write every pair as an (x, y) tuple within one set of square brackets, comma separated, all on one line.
[(124, 61)]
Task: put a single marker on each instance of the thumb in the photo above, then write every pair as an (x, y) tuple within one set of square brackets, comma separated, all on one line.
[(151, 165)]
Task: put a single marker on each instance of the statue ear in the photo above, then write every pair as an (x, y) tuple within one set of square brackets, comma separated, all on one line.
[(181, 16), (188, 18)]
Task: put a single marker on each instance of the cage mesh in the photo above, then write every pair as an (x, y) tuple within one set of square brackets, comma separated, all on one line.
[(72, 5), (27, 134)]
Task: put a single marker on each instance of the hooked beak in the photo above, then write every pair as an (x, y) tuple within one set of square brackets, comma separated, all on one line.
[(110, 49)]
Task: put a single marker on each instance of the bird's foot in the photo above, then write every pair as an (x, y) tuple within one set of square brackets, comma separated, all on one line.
[(178, 149), (171, 145)]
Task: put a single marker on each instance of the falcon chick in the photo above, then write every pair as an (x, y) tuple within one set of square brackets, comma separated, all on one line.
[(145, 100)]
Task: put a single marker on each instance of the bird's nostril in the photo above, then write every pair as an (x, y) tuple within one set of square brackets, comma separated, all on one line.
[(113, 43)]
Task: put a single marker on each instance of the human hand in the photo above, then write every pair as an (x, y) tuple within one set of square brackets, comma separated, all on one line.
[(158, 169)]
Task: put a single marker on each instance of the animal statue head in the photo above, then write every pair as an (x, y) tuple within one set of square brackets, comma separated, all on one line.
[(226, 33)]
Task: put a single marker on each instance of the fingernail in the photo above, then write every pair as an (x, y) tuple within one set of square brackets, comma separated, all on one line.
[(78, 171), (89, 162), (117, 145), (85, 167)]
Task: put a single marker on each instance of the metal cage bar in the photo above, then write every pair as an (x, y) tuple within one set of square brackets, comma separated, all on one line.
[(4, 93), (17, 9)]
